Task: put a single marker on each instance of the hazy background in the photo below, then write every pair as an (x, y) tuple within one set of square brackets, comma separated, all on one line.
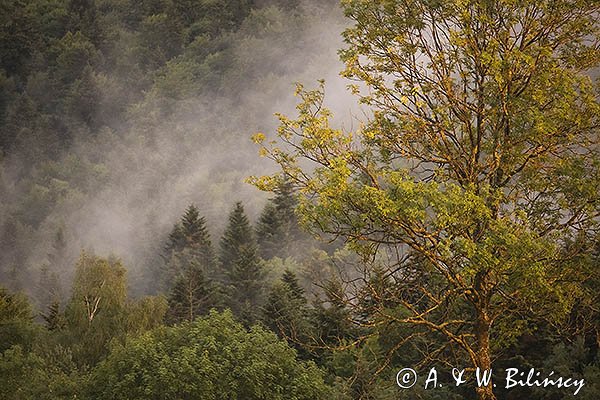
[(130, 167)]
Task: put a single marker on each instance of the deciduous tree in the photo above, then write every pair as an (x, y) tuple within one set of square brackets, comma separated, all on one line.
[(211, 358), (475, 183)]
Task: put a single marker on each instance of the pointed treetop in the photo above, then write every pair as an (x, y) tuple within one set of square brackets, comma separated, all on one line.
[(290, 279), (237, 235), (190, 232)]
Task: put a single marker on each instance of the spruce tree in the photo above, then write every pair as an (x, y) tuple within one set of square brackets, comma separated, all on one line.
[(57, 256), (278, 232), (191, 265), (12, 256), (290, 279), (192, 293), (286, 311), (176, 241), (242, 270), (49, 290), (269, 231), (53, 318), (192, 235), (237, 236), (194, 227)]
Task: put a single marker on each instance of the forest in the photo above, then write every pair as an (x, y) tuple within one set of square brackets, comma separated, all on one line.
[(299, 199)]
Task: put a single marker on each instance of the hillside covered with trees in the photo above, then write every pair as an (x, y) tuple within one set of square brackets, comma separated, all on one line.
[(429, 198)]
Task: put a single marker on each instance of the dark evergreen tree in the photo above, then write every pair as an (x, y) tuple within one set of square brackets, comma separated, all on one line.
[(190, 265), (237, 236), (290, 279), (176, 241), (83, 15), (191, 235), (269, 231), (246, 282), (53, 318), (58, 254), (12, 256), (286, 312), (242, 271), (278, 232), (48, 290), (17, 37), (332, 317), (50, 287), (192, 293)]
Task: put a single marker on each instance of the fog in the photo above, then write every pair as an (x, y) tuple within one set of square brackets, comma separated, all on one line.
[(171, 152)]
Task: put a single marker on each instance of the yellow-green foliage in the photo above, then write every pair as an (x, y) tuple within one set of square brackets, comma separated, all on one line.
[(480, 158)]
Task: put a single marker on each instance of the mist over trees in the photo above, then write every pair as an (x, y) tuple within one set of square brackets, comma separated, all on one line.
[(442, 211), (167, 91)]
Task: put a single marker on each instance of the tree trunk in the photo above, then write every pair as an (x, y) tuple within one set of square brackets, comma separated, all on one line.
[(483, 355)]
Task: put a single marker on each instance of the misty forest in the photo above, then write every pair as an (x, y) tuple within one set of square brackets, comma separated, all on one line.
[(299, 199)]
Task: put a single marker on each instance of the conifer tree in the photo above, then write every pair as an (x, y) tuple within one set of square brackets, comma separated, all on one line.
[(192, 293), (191, 234), (57, 256), (290, 279), (286, 311), (191, 264), (53, 318), (49, 287), (268, 231), (243, 273), (12, 267), (237, 236), (278, 231)]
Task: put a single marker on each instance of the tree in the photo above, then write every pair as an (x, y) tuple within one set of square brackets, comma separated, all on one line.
[(84, 18), (58, 254), (286, 311), (28, 375), (16, 37), (242, 270), (246, 284), (13, 257), (53, 317), (99, 311), (211, 358), (476, 182), (268, 232), (290, 279), (192, 293), (49, 288), (191, 265), (236, 237), (96, 311), (278, 233), (573, 360), (16, 320), (145, 314), (191, 234)]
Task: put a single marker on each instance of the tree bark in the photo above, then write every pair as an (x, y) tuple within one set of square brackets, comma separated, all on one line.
[(484, 363)]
